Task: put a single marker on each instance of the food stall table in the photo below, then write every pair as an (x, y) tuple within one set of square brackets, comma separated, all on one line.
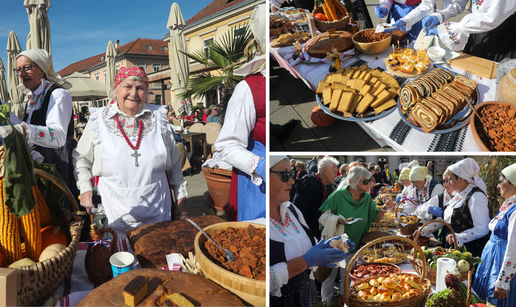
[(392, 130)]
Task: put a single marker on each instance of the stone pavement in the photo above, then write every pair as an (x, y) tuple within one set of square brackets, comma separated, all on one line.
[(290, 99), (197, 193)]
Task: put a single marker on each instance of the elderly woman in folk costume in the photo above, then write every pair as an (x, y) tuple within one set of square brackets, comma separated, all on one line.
[(241, 142), (293, 247), (494, 278), (128, 146), (467, 212), (48, 121)]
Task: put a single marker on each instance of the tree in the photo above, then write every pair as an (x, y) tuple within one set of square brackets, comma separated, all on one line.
[(489, 172), (224, 57)]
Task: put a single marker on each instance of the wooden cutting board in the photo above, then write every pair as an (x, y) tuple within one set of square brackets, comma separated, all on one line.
[(476, 65)]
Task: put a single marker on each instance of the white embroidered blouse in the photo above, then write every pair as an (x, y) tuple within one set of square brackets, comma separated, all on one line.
[(59, 114), (90, 145)]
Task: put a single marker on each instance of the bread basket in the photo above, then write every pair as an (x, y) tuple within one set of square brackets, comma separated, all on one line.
[(407, 229), (338, 25), (38, 282), (417, 300), (432, 275)]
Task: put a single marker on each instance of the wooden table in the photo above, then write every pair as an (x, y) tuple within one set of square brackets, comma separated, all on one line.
[(193, 137)]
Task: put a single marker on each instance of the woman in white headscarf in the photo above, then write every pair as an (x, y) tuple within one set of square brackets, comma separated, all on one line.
[(467, 212), (494, 276), (48, 120), (423, 188), (241, 142)]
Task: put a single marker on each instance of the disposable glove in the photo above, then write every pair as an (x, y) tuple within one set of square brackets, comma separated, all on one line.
[(434, 210), (430, 22), (351, 245), (398, 24), (380, 11), (6, 130), (432, 31), (260, 168), (317, 255)]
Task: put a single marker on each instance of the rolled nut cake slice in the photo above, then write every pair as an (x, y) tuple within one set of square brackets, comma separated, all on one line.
[(425, 117)]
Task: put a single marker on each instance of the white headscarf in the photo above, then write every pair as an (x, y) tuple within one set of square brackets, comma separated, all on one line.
[(258, 26), (510, 173), (467, 169), (43, 60), (418, 173), (405, 173), (413, 163), (402, 166), (273, 160)]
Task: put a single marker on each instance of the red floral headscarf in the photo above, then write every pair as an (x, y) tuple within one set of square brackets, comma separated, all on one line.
[(125, 72)]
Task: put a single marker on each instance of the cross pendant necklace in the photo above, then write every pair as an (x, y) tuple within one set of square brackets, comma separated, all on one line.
[(138, 141)]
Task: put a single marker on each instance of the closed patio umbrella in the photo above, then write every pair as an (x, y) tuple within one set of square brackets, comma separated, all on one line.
[(110, 63), (13, 49), (178, 61), (3, 85), (39, 35)]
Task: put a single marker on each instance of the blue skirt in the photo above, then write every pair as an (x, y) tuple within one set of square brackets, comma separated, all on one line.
[(488, 270), (251, 198)]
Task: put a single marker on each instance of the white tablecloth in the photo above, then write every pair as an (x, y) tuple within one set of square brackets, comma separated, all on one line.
[(392, 130)]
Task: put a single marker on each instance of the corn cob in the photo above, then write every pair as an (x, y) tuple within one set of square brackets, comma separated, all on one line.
[(9, 231), (45, 216), (31, 230)]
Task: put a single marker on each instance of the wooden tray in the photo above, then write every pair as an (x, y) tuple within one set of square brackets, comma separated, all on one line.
[(476, 65), (398, 73), (250, 290)]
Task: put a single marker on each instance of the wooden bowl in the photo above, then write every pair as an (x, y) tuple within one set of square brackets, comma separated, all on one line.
[(250, 290), (355, 279), (372, 48), (478, 135)]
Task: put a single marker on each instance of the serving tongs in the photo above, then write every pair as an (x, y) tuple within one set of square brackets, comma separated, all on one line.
[(479, 118), (229, 256)]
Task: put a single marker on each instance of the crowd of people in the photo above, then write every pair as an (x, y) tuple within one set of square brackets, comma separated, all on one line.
[(315, 216)]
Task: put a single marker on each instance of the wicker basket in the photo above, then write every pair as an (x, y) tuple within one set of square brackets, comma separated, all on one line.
[(220, 171), (432, 275), (408, 229), (38, 282), (418, 300), (337, 25)]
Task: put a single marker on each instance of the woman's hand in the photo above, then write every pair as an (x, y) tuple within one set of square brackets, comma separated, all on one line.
[(500, 294), (317, 255), (389, 203), (181, 210), (449, 239), (86, 201)]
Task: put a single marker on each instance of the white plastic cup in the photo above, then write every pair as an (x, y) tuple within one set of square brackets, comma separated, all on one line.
[(121, 262)]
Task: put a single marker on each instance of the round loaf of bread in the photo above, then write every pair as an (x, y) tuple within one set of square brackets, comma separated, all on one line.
[(198, 290), (319, 45)]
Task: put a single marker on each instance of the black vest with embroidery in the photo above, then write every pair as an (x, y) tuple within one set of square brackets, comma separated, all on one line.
[(39, 117)]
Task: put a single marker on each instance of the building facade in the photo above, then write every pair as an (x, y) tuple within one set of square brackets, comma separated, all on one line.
[(150, 54)]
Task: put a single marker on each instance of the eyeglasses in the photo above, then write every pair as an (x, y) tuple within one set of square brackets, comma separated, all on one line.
[(501, 179), (285, 176), (25, 68), (446, 180), (366, 182)]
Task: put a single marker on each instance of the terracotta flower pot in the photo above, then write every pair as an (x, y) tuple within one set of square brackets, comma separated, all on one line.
[(218, 186)]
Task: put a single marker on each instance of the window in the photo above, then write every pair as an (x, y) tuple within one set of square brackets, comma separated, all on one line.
[(117, 68), (206, 46), (238, 32), (102, 58), (156, 85), (97, 76), (143, 66), (156, 67), (105, 76), (149, 47), (164, 48), (157, 98)]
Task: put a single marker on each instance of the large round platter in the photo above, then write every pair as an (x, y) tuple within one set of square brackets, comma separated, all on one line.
[(398, 73), (276, 44), (459, 121), (367, 117)]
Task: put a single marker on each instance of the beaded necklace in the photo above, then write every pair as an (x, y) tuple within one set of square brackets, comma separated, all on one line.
[(135, 148)]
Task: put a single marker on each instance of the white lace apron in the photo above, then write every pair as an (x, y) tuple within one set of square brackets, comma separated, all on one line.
[(134, 196)]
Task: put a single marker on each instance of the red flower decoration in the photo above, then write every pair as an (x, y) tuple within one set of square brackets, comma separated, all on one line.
[(41, 134)]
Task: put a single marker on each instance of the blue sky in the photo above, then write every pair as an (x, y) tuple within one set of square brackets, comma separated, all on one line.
[(81, 29)]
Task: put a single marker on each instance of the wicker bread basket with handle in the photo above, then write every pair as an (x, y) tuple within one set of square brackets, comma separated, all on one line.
[(38, 282), (416, 300), (338, 25), (417, 263), (408, 229)]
